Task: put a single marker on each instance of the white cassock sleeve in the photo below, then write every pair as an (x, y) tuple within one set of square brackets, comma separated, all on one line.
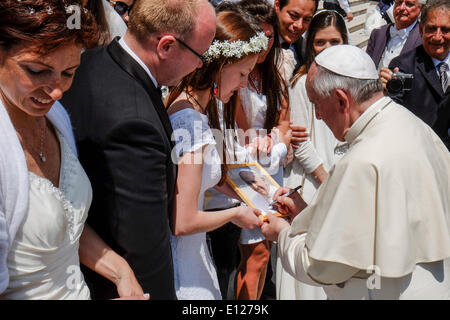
[(294, 257)]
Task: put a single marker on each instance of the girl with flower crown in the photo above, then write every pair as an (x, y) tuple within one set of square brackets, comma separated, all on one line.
[(193, 107)]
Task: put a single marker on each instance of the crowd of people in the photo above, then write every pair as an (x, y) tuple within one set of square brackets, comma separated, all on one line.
[(118, 136)]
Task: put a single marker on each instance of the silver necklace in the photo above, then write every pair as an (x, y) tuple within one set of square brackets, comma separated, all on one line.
[(41, 149), (43, 132)]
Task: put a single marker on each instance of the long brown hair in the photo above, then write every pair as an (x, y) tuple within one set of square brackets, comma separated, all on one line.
[(273, 85), (230, 27), (321, 20)]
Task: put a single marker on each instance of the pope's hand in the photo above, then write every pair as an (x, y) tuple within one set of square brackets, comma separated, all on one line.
[(272, 227), (291, 205)]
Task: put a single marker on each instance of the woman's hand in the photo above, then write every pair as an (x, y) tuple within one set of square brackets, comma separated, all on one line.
[(282, 136), (98, 256), (128, 287), (299, 135), (143, 297), (247, 217), (262, 146), (289, 156), (272, 227), (127, 284)]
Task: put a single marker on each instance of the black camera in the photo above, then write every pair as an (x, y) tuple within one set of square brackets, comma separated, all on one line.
[(400, 82)]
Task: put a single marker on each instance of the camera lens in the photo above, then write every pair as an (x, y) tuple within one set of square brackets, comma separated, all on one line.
[(395, 85)]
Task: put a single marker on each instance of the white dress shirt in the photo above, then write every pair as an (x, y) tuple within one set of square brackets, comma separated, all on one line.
[(395, 44), (138, 60)]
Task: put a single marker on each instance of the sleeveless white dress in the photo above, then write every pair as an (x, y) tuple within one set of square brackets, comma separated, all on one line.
[(43, 262), (194, 271)]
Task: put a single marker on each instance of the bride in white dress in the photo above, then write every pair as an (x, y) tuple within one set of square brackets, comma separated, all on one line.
[(44, 192), (193, 113)]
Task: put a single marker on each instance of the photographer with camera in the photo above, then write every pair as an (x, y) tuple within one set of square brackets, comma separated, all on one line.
[(420, 77)]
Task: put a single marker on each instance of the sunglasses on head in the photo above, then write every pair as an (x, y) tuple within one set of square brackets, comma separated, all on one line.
[(121, 7)]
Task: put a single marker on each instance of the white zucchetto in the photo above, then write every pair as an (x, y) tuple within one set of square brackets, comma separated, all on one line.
[(347, 60)]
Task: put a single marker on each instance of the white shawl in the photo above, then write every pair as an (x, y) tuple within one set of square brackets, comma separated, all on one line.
[(14, 185)]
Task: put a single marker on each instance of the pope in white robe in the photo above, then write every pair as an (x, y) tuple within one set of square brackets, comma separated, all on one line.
[(378, 226)]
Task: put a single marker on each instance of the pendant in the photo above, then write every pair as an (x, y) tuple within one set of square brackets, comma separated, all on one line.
[(43, 159)]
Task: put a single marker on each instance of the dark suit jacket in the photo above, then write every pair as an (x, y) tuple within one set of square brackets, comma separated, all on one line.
[(300, 54), (381, 36), (123, 135), (442, 125), (426, 94)]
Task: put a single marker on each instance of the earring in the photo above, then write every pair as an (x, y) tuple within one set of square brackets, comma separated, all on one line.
[(215, 89)]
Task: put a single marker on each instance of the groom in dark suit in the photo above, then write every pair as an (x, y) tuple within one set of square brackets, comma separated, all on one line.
[(124, 134)]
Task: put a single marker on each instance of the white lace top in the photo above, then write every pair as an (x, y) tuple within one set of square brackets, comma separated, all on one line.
[(43, 262)]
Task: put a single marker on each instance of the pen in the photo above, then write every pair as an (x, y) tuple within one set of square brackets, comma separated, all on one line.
[(286, 194)]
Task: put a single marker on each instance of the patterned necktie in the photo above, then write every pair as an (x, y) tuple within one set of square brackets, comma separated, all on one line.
[(443, 67)]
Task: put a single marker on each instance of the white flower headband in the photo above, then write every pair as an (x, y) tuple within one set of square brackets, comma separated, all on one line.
[(238, 48)]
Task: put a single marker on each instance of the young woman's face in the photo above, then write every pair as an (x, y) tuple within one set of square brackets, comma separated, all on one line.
[(325, 38), (269, 32), (32, 82), (235, 76)]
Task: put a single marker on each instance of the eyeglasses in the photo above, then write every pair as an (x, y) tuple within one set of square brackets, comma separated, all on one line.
[(192, 50), (121, 7)]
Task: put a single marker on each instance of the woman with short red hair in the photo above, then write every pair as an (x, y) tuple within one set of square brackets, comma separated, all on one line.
[(44, 192)]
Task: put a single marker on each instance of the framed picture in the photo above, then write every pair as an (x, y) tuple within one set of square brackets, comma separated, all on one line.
[(253, 184)]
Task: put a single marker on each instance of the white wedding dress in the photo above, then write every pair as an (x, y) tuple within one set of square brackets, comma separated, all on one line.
[(43, 262), (194, 271)]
